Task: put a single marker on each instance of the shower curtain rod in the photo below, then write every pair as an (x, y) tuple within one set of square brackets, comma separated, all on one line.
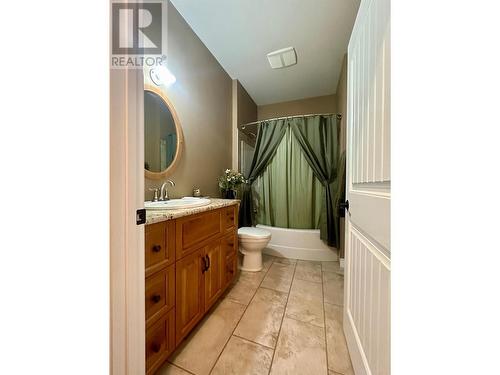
[(241, 127)]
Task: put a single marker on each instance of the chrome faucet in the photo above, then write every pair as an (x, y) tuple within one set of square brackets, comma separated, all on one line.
[(164, 191)]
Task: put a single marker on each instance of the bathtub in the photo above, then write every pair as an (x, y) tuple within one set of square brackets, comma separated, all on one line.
[(302, 244)]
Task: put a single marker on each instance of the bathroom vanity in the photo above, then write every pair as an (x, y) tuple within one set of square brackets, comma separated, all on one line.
[(190, 260)]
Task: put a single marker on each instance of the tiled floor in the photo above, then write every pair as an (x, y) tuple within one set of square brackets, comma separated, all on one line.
[(286, 319)]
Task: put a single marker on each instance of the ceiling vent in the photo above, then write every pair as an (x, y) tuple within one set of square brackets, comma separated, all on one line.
[(282, 58)]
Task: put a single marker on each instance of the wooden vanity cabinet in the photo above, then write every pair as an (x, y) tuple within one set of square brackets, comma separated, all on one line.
[(214, 275), (190, 261), (189, 293)]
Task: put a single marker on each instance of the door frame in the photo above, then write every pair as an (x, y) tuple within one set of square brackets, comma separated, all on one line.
[(127, 305)]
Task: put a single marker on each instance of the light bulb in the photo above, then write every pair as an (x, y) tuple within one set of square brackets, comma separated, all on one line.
[(160, 75)]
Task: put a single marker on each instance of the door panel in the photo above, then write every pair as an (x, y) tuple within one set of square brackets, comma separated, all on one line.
[(214, 275), (189, 292), (368, 265)]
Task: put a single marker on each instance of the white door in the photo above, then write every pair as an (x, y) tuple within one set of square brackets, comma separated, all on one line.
[(368, 264)]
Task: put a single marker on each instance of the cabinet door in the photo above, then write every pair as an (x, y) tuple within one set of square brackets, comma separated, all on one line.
[(160, 342), (159, 247), (189, 292), (160, 293), (214, 275)]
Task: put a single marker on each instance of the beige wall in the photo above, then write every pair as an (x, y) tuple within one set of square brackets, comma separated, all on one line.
[(247, 109), (202, 99), (244, 111), (318, 104), (342, 101), (342, 109)]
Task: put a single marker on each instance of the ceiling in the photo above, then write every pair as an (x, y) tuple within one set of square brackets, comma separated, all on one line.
[(240, 33)]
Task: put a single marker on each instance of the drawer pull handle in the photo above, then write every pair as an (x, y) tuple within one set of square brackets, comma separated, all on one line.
[(156, 298), (203, 265), (156, 248), (230, 244), (155, 348), (208, 262)]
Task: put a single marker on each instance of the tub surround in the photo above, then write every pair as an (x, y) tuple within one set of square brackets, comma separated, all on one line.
[(164, 215), (303, 244)]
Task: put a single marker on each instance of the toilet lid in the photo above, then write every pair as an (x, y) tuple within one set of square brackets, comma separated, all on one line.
[(252, 232)]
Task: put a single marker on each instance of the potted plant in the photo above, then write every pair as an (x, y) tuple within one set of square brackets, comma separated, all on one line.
[(229, 182)]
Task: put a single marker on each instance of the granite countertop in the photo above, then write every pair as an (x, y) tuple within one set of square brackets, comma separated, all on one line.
[(156, 216)]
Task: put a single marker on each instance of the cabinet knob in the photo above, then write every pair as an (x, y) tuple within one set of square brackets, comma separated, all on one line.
[(156, 248), (155, 347), (156, 298)]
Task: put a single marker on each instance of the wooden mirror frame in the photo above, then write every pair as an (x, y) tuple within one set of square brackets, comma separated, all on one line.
[(178, 129)]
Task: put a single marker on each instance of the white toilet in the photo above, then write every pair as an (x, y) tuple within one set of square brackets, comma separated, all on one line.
[(252, 241)]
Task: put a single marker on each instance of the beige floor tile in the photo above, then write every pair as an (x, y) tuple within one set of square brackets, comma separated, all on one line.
[(243, 357), (333, 288), (300, 349), (285, 260), (262, 319), (330, 372), (267, 260), (279, 277), (337, 352), (305, 302), (245, 286), (330, 266), (309, 271), (200, 350), (169, 369)]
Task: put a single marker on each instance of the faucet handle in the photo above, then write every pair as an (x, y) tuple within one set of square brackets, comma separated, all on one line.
[(155, 198)]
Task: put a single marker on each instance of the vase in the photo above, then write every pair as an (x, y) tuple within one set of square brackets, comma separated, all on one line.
[(229, 194)]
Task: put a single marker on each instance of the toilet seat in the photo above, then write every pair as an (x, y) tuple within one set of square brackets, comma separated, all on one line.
[(253, 233)]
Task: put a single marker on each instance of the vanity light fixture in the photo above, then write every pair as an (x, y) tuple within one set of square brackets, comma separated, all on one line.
[(160, 75)]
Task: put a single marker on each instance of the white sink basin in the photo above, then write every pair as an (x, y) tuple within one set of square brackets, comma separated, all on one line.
[(176, 204)]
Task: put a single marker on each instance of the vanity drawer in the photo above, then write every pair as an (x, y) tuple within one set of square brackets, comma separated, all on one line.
[(230, 217), (160, 293), (192, 230), (230, 244), (160, 246), (160, 341)]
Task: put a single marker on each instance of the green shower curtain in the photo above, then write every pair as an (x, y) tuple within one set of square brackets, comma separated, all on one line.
[(319, 137), (300, 176), (269, 135), (287, 193)]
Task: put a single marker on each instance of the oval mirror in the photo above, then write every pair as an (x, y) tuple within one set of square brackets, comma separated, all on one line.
[(162, 134)]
